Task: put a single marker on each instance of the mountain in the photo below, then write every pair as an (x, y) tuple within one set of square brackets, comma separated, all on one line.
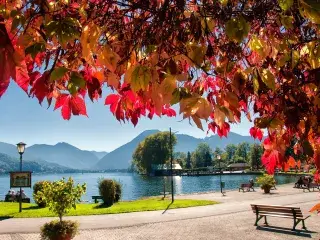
[(64, 154), (8, 163), (99, 155), (121, 157)]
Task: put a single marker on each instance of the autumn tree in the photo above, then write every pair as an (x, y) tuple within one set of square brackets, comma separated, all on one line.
[(154, 149), (215, 59)]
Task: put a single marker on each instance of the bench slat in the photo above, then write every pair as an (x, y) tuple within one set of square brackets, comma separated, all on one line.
[(275, 206), (279, 213), (281, 216), (265, 209)]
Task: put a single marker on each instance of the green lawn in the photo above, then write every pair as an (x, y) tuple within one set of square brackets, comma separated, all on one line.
[(150, 204)]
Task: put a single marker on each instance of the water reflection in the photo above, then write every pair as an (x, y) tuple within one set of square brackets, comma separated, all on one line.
[(136, 186)]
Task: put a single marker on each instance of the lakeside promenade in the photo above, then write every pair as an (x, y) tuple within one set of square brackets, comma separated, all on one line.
[(232, 219)]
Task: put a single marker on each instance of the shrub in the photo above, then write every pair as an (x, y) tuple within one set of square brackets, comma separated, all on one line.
[(61, 195), (266, 182), (56, 230), (107, 189), (118, 191), (38, 186)]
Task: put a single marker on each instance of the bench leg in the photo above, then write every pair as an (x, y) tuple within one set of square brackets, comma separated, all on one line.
[(257, 220), (265, 220), (303, 226), (95, 200), (295, 223)]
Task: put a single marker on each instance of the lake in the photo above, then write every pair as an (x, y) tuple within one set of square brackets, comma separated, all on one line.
[(136, 186)]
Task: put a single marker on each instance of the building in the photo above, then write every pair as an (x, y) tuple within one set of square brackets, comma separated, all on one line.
[(164, 169), (238, 166)]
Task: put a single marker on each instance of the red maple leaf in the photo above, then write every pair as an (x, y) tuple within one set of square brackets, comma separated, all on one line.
[(270, 159), (41, 86), (7, 63), (112, 100), (256, 133), (69, 103), (224, 131)]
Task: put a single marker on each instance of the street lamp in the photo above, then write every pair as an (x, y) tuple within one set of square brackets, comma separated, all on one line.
[(21, 147), (171, 162), (219, 159)]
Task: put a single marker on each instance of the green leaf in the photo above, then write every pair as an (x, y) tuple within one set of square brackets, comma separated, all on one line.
[(77, 80), (237, 29), (65, 30), (34, 49), (224, 2), (58, 73), (255, 83), (141, 77), (268, 78), (286, 21), (295, 58), (285, 4), (310, 9)]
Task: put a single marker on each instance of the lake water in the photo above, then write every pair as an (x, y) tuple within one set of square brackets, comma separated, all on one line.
[(136, 186)]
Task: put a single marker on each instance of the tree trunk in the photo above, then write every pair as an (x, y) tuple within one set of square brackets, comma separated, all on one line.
[(60, 218)]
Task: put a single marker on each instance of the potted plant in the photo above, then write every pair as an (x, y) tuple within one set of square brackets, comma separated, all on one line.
[(60, 196), (266, 182)]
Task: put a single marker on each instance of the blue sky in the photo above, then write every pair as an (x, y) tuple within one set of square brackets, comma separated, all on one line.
[(23, 119)]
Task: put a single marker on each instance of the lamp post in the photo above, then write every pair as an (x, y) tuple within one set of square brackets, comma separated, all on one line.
[(171, 160), (21, 147), (171, 163), (219, 159)]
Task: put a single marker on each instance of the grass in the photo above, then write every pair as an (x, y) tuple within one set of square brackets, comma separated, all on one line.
[(150, 204)]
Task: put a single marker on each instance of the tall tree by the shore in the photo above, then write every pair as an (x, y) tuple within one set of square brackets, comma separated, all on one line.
[(188, 161), (154, 149), (256, 151), (201, 157)]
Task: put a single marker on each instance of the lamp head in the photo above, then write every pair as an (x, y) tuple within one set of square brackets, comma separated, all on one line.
[(21, 147)]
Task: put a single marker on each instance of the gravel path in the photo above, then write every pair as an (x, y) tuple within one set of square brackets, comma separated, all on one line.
[(232, 219)]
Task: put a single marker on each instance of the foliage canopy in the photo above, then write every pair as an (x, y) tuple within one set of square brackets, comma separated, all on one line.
[(217, 59)]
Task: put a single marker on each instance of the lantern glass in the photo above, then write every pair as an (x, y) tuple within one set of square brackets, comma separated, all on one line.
[(21, 147)]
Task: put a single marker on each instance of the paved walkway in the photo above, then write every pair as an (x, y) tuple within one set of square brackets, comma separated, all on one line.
[(232, 219)]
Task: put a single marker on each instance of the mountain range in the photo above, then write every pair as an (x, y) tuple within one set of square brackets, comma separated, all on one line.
[(64, 157), (121, 157)]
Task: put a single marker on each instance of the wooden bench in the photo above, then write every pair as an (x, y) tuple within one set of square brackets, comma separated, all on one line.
[(279, 211), (96, 198), (247, 186), (311, 185)]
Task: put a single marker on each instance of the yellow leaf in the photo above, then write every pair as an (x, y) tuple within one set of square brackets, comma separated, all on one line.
[(167, 86), (89, 40), (255, 80), (108, 58), (237, 29), (196, 53), (112, 79), (294, 58), (268, 78), (197, 121), (219, 116), (287, 21), (224, 2), (205, 109), (285, 4), (232, 99), (141, 76), (260, 46), (311, 10)]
